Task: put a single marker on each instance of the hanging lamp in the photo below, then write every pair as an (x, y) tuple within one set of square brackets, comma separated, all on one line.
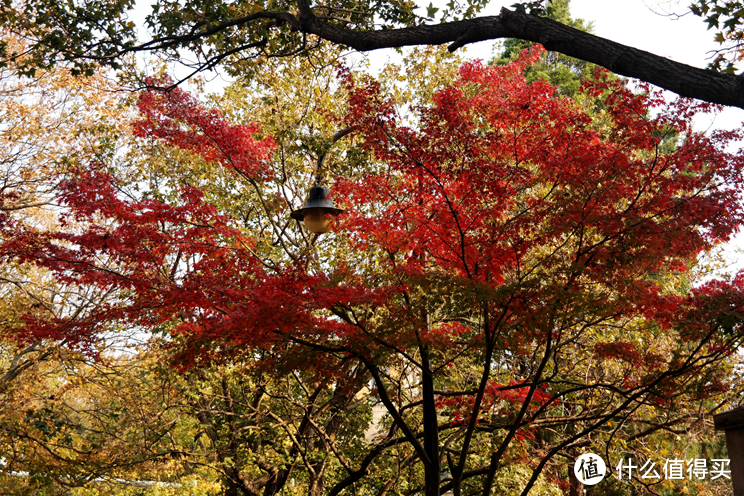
[(317, 211)]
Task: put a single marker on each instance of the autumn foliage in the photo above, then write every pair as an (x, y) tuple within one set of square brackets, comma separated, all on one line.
[(529, 255)]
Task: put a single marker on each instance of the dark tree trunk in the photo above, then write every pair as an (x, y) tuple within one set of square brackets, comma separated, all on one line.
[(431, 429), (575, 488)]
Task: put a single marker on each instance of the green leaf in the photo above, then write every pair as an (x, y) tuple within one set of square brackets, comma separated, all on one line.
[(730, 69)]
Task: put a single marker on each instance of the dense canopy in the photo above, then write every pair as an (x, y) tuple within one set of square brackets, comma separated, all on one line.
[(515, 281)]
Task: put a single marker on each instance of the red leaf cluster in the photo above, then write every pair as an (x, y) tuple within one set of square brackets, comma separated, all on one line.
[(177, 118), (540, 210)]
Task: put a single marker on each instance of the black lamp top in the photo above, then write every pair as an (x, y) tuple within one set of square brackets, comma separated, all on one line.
[(318, 199)]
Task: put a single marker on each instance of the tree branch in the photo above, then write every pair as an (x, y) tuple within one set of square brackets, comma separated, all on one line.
[(685, 80)]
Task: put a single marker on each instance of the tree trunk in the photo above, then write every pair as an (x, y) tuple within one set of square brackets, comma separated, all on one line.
[(431, 428), (575, 488)]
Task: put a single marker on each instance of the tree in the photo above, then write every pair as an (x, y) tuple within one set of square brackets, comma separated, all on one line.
[(233, 34), (513, 276), (565, 73), (463, 193), (48, 121), (727, 18), (72, 425), (45, 120), (62, 420), (248, 426)]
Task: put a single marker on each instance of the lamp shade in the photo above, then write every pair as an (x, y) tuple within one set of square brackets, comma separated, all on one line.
[(314, 212)]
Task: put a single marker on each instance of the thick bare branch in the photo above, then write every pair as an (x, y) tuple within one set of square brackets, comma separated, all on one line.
[(685, 80)]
